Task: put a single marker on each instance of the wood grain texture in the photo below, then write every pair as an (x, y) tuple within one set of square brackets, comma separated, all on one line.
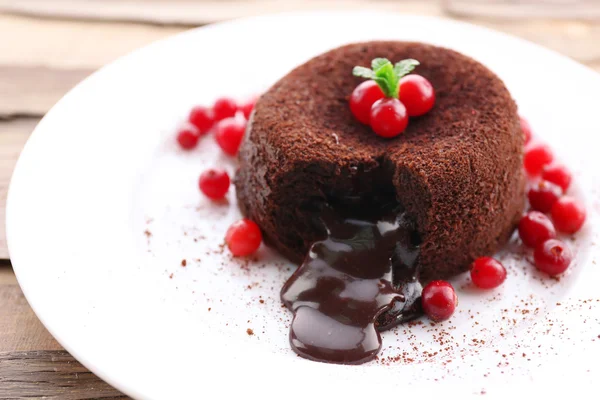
[(7, 276), (524, 9), (32, 90), (13, 135), (20, 329), (51, 374), (32, 363), (194, 13), (71, 44), (51, 55), (576, 39)]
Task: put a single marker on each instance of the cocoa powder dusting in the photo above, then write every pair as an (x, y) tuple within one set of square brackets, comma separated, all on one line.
[(148, 236)]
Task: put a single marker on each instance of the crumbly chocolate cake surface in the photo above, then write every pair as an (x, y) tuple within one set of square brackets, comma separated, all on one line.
[(457, 170)]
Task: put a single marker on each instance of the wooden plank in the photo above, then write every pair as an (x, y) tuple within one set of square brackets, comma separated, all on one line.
[(33, 90), (51, 374), (576, 39), (13, 135), (7, 276), (20, 329), (80, 45), (193, 13), (51, 56), (71, 44), (523, 9), (595, 65), (32, 362)]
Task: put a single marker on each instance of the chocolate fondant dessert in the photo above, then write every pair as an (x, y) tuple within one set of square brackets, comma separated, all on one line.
[(457, 171)]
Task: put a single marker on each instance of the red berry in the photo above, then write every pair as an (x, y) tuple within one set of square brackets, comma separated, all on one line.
[(558, 174), (188, 138), (439, 300), (552, 257), (536, 156), (202, 118), (224, 108), (247, 107), (388, 117), (526, 128), (417, 95), (487, 273), (568, 214), (229, 134), (362, 99), (243, 237), (543, 195), (535, 228), (214, 183)]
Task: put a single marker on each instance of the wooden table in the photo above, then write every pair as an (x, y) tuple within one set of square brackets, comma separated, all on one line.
[(49, 46)]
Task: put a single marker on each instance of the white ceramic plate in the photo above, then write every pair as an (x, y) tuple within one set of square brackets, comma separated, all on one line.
[(102, 169)]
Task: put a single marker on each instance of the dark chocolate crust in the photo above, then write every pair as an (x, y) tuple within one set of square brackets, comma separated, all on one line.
[(457, 170)]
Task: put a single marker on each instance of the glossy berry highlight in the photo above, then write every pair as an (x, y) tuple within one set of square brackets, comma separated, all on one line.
[(487, 273), (557, 174), (537, 155), (535, 228), (543, 194), (202, 118), (439, 300), (417, 95), (388, 117), (188, 138), (243, 238), (552, 257), (229, 134), (568, 215), (214, 183), (224, 107), (362, 99)]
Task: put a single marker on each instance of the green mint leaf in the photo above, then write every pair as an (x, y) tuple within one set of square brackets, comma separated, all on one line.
[(363, 72), (405, 67), (384, 85), (386, 73), (378, 63)]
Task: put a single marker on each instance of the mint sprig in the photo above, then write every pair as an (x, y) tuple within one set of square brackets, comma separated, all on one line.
[(386, 75)]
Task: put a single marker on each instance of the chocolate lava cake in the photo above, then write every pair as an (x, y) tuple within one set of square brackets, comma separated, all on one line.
[(457, 171)]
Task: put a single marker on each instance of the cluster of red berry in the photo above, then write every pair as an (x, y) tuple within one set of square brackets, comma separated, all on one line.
[(549, 181), (228, 121), (226, 117), (387, 100)]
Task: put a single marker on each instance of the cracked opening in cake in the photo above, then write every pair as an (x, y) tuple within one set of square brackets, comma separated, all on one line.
[(359, 278)]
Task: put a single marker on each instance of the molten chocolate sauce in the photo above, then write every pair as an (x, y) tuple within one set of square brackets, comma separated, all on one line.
[(360, 279)]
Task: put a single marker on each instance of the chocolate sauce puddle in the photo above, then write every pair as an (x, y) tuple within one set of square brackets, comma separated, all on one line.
[(360, 279)]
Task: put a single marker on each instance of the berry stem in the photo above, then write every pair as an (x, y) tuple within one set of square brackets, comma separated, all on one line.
[(387, 75)]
